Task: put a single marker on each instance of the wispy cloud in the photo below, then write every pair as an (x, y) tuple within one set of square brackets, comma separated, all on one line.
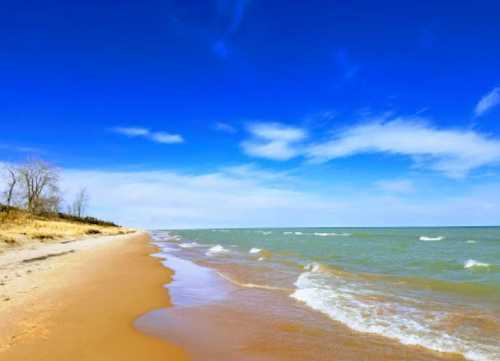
[(19, 148), (225, 127), (395, 185), (488, 102), (347, 68), (231, 12), (249, 196), (158, 137), (274, 141), (453, 152)]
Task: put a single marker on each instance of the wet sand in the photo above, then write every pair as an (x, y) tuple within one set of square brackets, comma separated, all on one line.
[(81, 304), (252, 324)]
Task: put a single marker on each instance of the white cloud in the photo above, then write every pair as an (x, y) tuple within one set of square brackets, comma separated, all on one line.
[(396, 185), (225, 127), (274, 141), (158, 137), (453, 152), (131, 131), (166, 138), (487, 102), (249, 196)]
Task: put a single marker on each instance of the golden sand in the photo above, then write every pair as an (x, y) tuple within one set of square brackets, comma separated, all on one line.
[(81, 306)]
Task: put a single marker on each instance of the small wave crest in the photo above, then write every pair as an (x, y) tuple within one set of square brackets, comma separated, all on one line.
[(215, 250), (431, 239), (345, 301), (471, 263), (331, 234), (255, 250), (188, 245), (251, 285)]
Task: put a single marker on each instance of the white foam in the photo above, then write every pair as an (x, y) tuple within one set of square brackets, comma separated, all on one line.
[(298, 233), (189, 245), (252, 285), (431, 239), (265, 233), (331, 234), (343, 301), (260, 259), (255, 250), (471, 263), (471, 241), (287, 232), (313, 267), (215, 250)]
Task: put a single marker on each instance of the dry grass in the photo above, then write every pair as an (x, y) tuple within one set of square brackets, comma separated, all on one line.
[(18, 228)]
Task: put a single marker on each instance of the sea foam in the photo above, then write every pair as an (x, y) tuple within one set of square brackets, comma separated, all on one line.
[(215, 250), (345, 302), (471, 263), (331, 234), (255, 250), (189, 245), (431, 239)]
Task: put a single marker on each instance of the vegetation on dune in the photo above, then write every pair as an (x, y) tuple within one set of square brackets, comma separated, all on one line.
[(31, 209)]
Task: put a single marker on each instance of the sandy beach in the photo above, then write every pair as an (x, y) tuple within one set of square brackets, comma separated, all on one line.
[(78, 301)]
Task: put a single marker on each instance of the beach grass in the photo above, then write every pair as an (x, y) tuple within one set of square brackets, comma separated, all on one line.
[(19, 227)]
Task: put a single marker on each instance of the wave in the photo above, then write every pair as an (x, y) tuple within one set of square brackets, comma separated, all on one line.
[(470, 241), (471, 263), (252, 285), (298, 233), (431, 239), (189, 245), (265, 233), (255, 250), (366, 309), (287, 233), (331, 234), (215, 250)]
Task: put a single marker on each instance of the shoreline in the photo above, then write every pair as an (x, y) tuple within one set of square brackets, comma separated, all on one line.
[(240, 323), (81, 301)]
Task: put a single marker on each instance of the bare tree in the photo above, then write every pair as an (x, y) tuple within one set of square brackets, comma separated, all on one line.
[(11, 175), (39, 182), (79, 205)]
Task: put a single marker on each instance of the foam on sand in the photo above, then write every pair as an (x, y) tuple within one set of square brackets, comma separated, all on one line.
[(345, 301), (431, 239), (217, 250)]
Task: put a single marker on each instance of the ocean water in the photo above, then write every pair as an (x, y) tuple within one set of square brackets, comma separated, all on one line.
[(438, 288)]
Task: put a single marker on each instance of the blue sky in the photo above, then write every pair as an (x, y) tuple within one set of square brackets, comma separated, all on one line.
[(252, 113)]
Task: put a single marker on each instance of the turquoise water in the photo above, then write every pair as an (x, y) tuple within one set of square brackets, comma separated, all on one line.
[(434, 287), (385, 251)]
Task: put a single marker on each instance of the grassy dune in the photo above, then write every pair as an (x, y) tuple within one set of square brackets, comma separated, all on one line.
[(18, 228)]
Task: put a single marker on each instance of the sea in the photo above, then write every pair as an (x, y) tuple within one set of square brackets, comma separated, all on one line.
[(430, 289)]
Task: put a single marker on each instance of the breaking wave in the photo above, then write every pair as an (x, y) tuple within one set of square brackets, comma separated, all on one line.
[(431, 239), (471, 263), (216, 250), (365, 309)]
